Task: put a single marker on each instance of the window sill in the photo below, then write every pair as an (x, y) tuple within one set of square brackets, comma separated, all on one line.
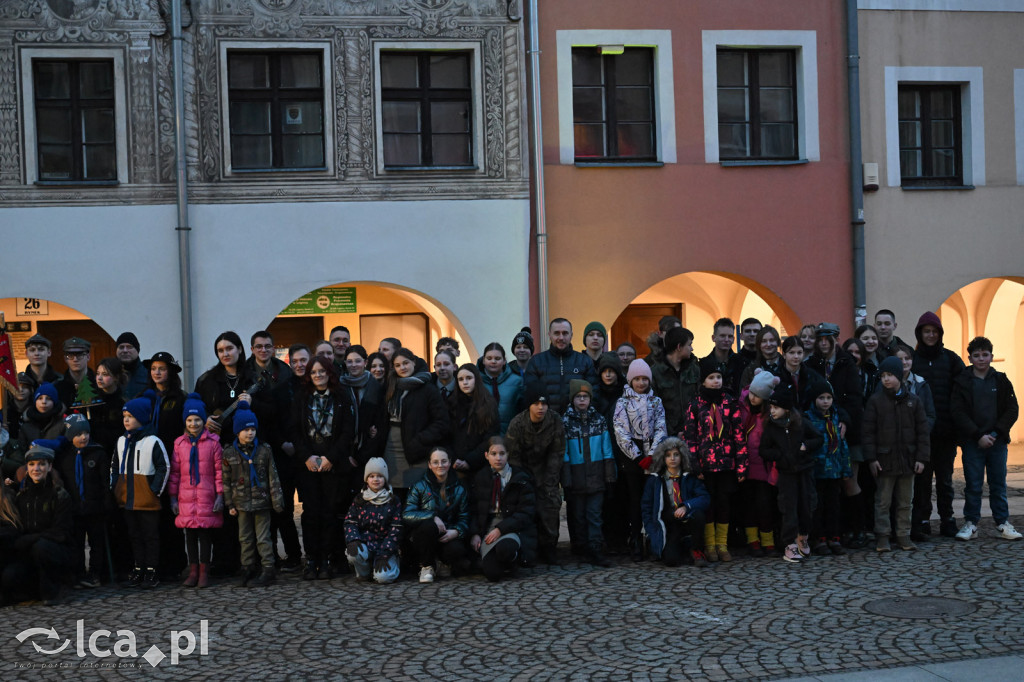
[(77, 183), (763, 162), (462, 169), (618, 164), (918, 188), (266, 171)]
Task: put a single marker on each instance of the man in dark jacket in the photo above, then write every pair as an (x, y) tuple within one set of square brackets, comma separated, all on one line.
[(76, 354), (128, 353), (729, 361), (43, 554), (938, 366), (536, 442), (550, 372), (984, 407), (675, 378)]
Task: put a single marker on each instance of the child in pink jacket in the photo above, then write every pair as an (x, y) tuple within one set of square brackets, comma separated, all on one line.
[(196, 490)]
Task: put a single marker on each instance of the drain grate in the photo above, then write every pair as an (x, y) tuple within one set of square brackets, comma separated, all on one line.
[(920, 607)]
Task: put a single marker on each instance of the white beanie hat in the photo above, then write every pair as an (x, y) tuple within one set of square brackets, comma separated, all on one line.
[(376, 465)]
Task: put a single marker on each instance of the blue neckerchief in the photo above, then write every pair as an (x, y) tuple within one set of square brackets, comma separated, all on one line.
[(129, 438), (80, 475), (155, 421), (193, 460), (248, 457)]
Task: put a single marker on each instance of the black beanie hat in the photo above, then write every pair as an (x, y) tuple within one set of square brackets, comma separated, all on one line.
[(709, 366), (783, 397), (525, 338), (129, 337)]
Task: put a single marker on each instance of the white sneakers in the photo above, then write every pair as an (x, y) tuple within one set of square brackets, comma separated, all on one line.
[(427, 574), (966, 532), (1008, 532)]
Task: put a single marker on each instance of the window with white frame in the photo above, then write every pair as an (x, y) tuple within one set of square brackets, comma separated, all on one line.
[(616, 101), (934, 126), (760, 96), (75, 116)]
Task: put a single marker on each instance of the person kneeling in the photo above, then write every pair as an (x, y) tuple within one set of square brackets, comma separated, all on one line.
[(503, 513), (373, 527), (673, 505)]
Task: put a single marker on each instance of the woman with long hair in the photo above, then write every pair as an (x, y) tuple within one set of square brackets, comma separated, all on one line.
[(768, 356), (504, 385), (474, 418)]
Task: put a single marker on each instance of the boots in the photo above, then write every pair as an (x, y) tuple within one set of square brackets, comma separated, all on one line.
[(710, 551), (753, 543), (768, 542), (204, 576), (193, 576), (265, 578), (722, 541)]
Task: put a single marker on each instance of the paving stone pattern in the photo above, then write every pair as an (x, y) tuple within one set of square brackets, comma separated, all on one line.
[(751, 619)]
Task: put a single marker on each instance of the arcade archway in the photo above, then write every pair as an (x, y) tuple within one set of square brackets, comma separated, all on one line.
[(27, 316)]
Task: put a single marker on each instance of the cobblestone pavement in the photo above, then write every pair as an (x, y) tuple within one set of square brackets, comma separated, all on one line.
[(750, 619)]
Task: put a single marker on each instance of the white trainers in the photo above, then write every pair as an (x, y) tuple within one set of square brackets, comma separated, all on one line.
[(1008, 532), (427, 574), (967, 531)]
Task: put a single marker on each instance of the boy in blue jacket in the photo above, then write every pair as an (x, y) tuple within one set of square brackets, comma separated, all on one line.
[(673, 505)]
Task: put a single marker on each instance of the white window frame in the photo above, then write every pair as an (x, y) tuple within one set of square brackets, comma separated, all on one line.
[(28, 106), (805, 43), (225, 102), (664, 86), (972, 116), (476, 85), (1018, 121)]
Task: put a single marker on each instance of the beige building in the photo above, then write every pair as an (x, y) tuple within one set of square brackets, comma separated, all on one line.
[(942, 102)]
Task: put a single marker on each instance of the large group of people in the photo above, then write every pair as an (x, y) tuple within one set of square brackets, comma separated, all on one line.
[(786, 447)]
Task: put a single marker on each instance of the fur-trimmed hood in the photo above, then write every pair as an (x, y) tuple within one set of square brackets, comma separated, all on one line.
[(662, 448)]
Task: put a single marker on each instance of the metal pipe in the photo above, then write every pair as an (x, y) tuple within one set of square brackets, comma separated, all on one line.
[(183, 229), (537, 166), (856, 182)]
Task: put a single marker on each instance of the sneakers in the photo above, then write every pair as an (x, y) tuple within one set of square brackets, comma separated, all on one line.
[(882, 544), (290, 564), (947, 528), (793, 554), (444, 571), (1008, 532), (803, 546), (698, 559), (427, 574), (836, 547), (821, 548), (967, 531), (135, 577), (151, 579), (312, 570)]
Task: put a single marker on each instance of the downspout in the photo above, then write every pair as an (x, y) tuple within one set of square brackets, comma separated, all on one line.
[(537, 144), (183, 229), (856, 181)]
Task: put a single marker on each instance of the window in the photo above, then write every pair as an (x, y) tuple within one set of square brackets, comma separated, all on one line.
[(613, 104), (757, 104), (426, 109), (75, 122), (931, 149), (276, 102)]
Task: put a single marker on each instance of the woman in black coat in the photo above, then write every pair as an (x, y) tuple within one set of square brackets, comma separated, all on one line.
[(367, 397), (324, 430), (415, 420), (474, 418)]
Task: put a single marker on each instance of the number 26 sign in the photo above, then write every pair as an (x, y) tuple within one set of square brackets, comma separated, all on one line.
[(32, 307)]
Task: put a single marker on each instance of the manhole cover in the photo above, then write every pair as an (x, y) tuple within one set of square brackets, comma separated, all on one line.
[(920, 607)]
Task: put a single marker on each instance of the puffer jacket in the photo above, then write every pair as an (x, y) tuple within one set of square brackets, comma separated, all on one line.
[(721, 448), (831, 461), (676, 389), (895, 432), (94, 495), (378, 526), (243, 493), (845, 380), (138, 472), (45, 510), (589, 463), (962, 407), (509, 392), (631, 411), (939, 366), (539, 449), (780, 443), (550, 372), (195, 500), (426, 501), (656, 503), (518, 509), (753, 427)]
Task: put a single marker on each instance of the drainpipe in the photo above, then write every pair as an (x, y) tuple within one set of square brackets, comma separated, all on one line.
[(184, 258), (856, 183), (537, 144)]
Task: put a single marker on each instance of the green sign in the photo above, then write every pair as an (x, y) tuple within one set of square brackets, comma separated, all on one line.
[(323, 302)]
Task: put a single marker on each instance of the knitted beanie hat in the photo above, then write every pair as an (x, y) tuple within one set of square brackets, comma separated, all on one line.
[(783, 397), (47, 389), (194, 406), (638, 368), (244, 418), (142, 407), (525, 338), (376, 465), (709, 366), (595, 327), (893, 365), (577, 386), (76, 425), (763, 384)]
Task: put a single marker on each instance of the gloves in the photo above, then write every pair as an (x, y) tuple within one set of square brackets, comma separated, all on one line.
[(218, 503), (381, 562), (352, 548), (26, 541), (645, 463), (174, 505)]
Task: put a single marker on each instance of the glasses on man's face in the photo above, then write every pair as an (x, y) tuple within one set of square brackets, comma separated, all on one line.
[(76, 356), (265, 346)]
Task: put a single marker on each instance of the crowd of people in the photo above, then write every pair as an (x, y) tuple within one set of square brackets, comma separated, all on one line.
[(784, 448)]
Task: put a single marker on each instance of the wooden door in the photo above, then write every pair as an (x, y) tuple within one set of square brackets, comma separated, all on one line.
[(637, 322), (289, 330), (57, 331)]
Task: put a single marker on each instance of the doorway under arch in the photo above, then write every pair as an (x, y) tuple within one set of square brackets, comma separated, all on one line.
[(371, 311), (57, 322), (699, 299), (992, 308)]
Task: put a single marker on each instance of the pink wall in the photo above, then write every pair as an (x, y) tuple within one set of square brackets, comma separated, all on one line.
[(614, 232)]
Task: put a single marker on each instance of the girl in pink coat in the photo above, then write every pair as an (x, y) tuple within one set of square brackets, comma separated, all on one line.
[(196, 490)]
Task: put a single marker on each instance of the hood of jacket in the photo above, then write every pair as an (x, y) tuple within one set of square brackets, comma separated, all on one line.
[(926, 319), (661, 449)]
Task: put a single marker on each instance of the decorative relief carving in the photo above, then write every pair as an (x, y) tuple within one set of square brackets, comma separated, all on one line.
[(10, 143), (494, 133), (140, 110)]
